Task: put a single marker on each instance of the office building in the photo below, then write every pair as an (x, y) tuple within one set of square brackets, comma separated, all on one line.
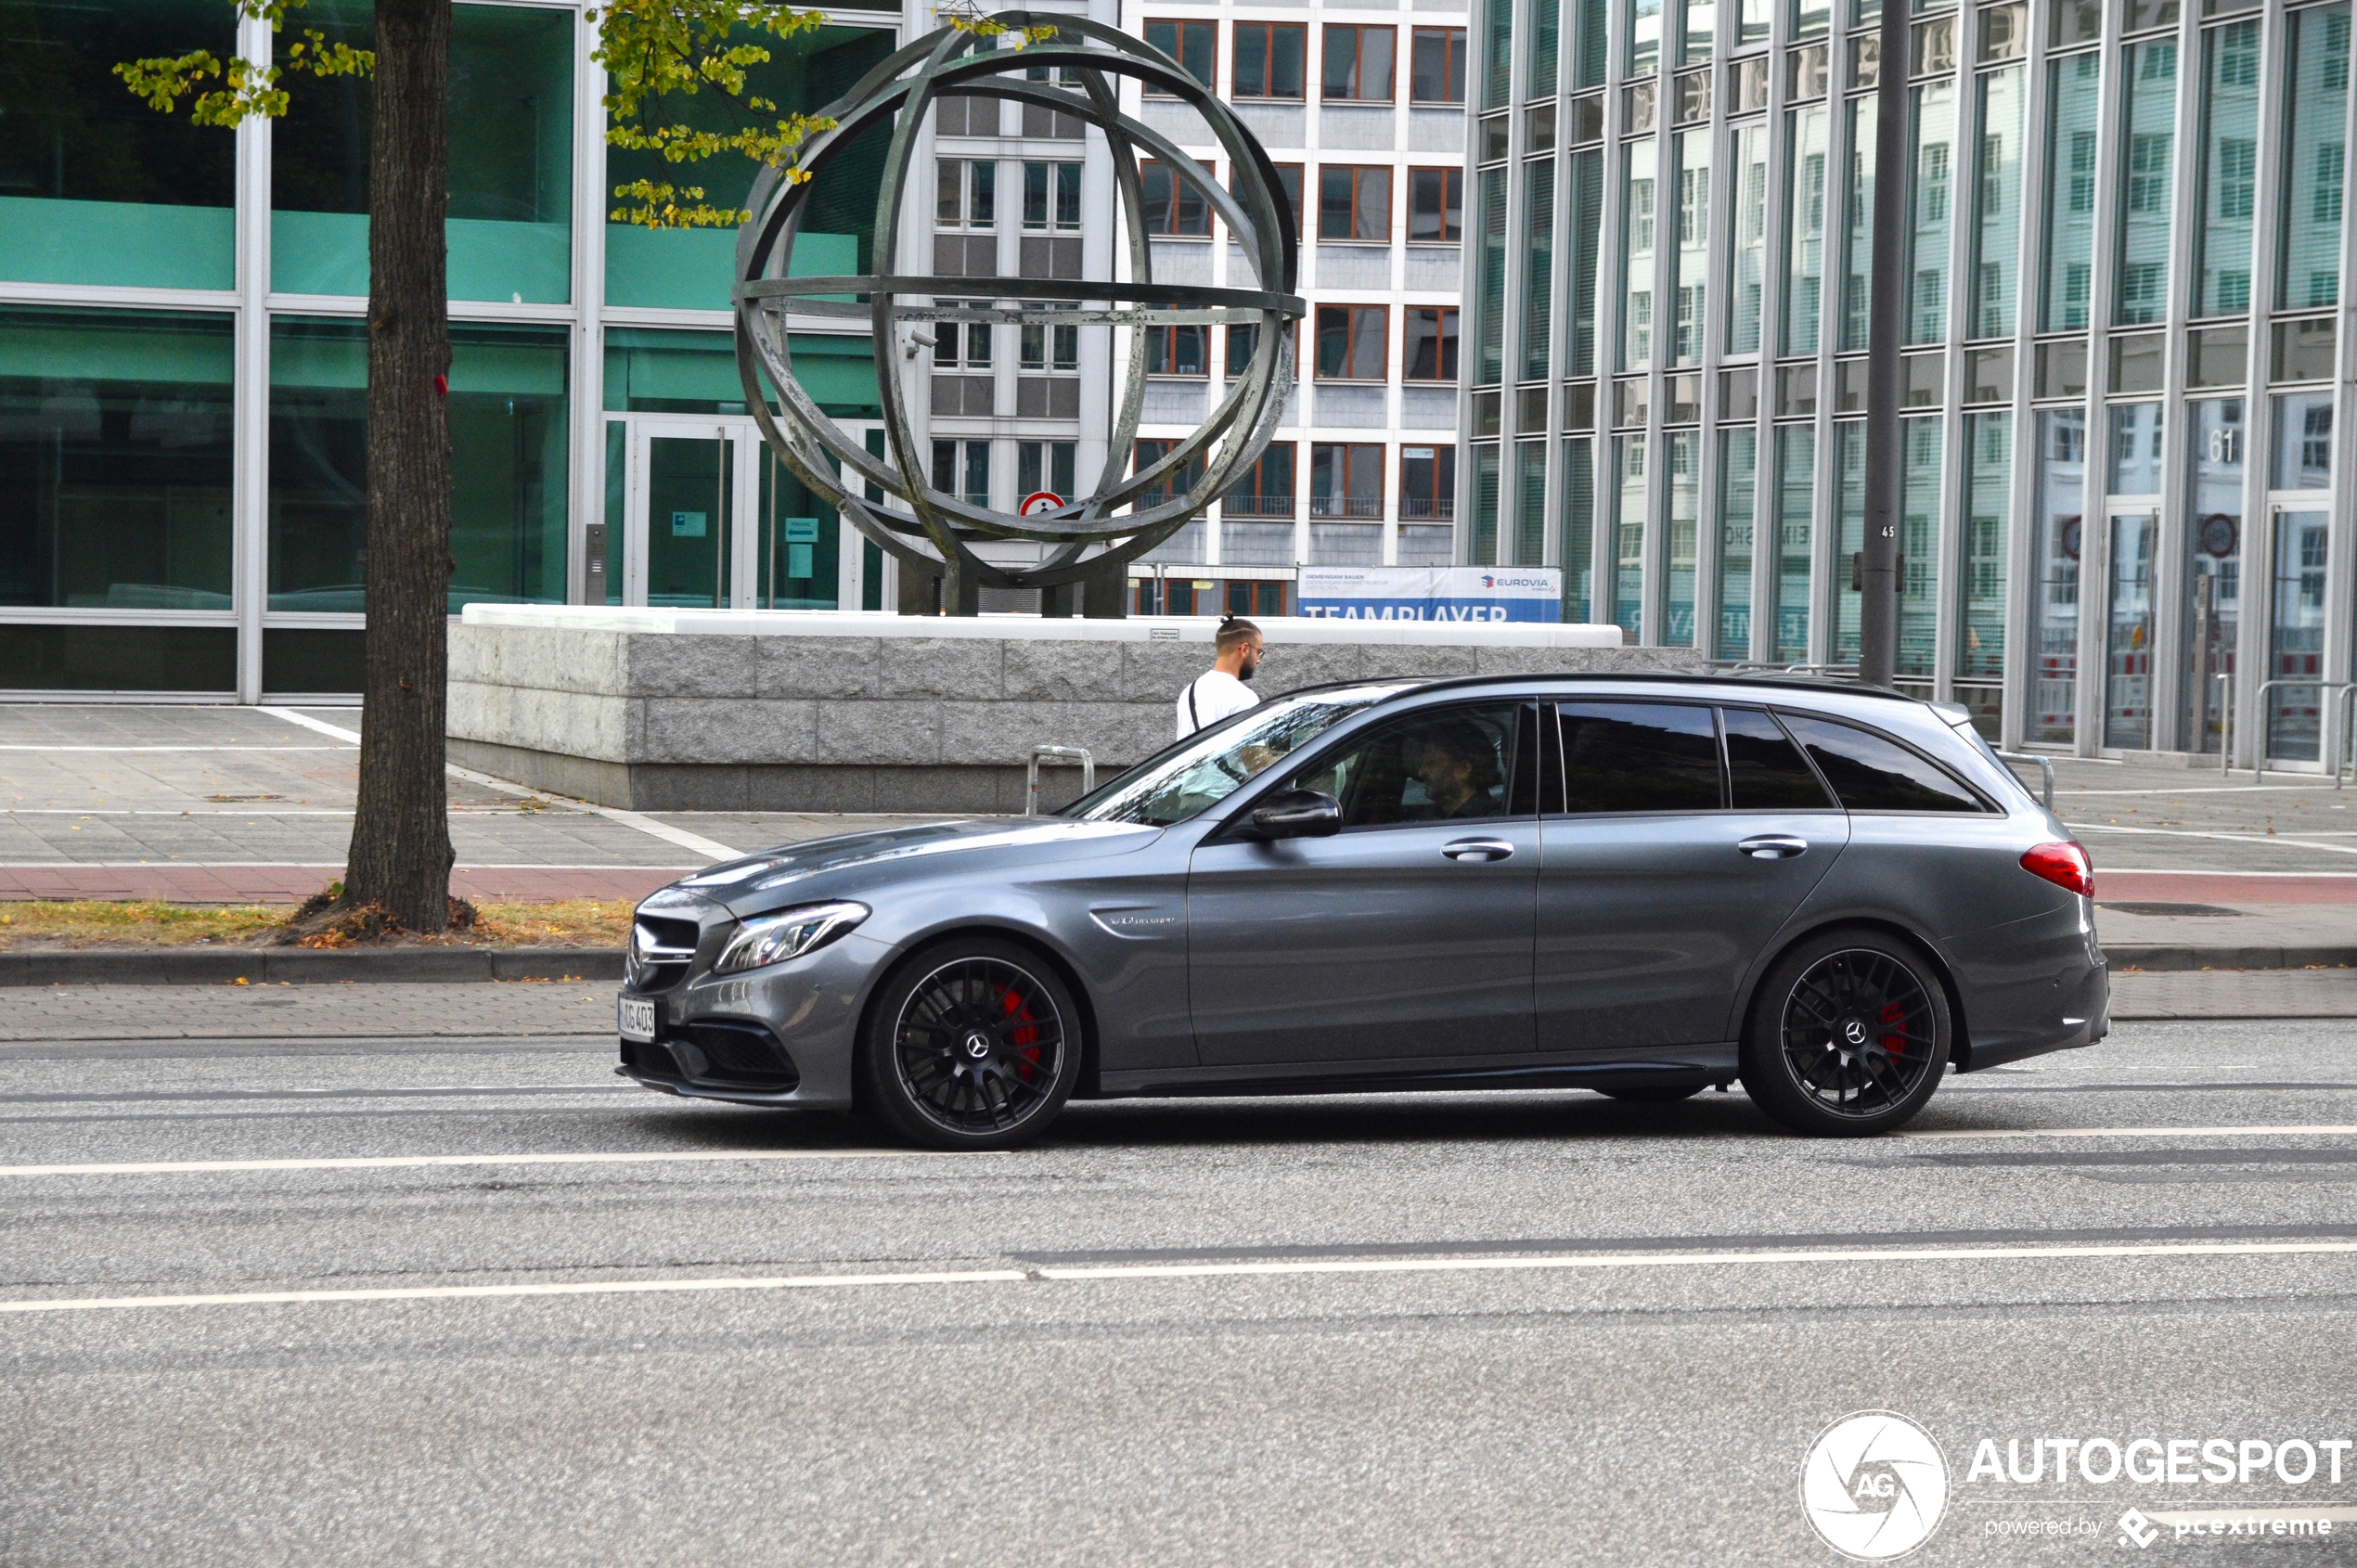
[(2126, 242)]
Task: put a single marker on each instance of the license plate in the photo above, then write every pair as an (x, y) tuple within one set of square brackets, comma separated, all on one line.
[(637, 1018)]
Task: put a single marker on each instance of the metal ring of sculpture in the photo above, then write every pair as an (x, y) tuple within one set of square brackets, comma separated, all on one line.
[(938, 529)]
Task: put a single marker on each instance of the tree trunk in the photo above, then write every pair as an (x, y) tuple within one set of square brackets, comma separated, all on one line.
[(401, 853)]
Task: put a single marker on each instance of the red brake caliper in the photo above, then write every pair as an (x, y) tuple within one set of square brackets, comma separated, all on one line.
[(1025, 1035), (1894, 1012)]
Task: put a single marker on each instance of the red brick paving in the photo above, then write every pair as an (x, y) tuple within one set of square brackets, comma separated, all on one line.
[(2223, 887), (293, 884)]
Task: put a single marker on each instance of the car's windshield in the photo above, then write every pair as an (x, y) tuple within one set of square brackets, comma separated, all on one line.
[(1206, 768)]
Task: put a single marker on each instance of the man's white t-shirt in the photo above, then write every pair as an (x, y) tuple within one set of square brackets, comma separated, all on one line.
[(1214, 695)]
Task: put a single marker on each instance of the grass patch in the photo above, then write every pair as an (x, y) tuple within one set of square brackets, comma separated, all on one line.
[(90, 922)]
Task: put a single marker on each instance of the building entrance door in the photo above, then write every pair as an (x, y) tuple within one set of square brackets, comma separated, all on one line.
[(710, 519)]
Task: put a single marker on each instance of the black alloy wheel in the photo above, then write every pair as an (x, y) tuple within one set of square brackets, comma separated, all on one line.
[(975, 1045), (1849, 1035)]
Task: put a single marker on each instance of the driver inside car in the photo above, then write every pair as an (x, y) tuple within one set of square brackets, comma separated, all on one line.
[(1457, 766)]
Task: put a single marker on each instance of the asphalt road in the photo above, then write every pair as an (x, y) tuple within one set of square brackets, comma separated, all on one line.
[(1517, 1329)]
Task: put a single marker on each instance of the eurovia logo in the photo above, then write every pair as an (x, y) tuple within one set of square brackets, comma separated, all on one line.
[(1873, 1486)]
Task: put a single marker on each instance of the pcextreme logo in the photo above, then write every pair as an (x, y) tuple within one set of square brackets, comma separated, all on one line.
[(1873, 1486)]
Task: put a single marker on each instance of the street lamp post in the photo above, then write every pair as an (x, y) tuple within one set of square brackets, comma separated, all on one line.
[(1879, 575)]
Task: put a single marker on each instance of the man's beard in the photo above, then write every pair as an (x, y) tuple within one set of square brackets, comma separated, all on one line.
[(1245, 671)]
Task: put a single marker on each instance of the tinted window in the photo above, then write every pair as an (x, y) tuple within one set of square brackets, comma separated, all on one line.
[(1638, 756), (1871, 774), (1457, 765), (1765, 770)]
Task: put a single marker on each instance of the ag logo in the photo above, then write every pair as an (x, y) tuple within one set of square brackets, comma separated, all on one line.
[(1873, 1486)]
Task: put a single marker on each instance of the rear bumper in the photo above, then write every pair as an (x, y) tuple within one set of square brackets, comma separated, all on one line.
[(2031, 987)]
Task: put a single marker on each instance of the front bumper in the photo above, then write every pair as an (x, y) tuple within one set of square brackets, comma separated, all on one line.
[(809, 1007)]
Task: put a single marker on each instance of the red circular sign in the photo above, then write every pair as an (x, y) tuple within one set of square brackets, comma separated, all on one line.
[(1039, 501)]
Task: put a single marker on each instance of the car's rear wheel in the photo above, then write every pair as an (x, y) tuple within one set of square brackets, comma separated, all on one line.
[(975, 1045), (1849, 1035)]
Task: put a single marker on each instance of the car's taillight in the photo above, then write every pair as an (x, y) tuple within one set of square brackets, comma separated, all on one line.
[(2064, 864)]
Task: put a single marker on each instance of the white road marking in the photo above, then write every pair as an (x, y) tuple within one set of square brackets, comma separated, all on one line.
[(663, 831), (2220, 790), (414, 1161), (2284, 839), (2319, 1130), (569, 1288), (1132, 1272)]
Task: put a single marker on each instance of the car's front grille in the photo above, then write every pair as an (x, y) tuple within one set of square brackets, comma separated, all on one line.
[(660, 952)]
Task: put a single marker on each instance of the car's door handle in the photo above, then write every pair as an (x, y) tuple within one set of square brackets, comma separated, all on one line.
[(1482, 850), (1774, 846)]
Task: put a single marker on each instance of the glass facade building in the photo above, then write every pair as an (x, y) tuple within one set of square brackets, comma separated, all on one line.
[(183, 422), (2124, 487)]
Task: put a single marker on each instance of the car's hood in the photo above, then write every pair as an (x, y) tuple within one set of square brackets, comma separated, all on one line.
[(844, 866)]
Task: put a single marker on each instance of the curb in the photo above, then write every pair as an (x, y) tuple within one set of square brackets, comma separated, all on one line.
[(2159, 959), (273, 966)]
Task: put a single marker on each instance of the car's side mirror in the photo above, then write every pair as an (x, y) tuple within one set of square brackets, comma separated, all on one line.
[(1297, 814)]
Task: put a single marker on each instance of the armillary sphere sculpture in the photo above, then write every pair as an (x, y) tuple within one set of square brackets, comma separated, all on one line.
[(1125, 514)]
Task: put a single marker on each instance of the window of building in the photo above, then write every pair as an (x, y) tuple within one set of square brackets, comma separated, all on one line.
[(1176, 351), (1358, 63), (1437, 205), (1266, 488), (1194, 45), (1351, 342), (1268, 59), (1354, 203), (1346, 481), (510, 158), (1051, 196), (961, 343), (1049, 346), (963, 469), (1436, 66), (1045, 464), (2316, 146), (1431, 343), (1174, 207), (1146, 454), (74, 135), (115, 460), (1241, 342), (506, 412), (965, 193), (1428, 481)]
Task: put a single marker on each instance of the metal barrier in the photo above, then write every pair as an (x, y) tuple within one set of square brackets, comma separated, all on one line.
[(2258, 768), (2046, 769), (1058, 754)]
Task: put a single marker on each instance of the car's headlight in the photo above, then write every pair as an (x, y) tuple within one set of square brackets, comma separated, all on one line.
[(789, 933)]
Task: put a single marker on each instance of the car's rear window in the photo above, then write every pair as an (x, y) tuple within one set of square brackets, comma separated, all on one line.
[(1871, 774), (1765, 770), (1638, 756)]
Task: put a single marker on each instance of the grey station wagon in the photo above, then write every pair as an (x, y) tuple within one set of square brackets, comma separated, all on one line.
[(1643, 886)]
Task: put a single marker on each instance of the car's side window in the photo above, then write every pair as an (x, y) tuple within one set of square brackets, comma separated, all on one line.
[(1455, 765), (1871, 774), (1639, 756), (1765, 770)]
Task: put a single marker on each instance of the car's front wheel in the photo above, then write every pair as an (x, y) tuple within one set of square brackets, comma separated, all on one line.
[(974, 1044), (1849, 1035)]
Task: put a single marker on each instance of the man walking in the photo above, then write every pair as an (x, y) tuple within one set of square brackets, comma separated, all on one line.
[(1220, 690)]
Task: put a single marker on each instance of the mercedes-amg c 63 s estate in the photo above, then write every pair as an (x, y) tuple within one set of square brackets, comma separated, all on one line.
[(1644, 886)]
